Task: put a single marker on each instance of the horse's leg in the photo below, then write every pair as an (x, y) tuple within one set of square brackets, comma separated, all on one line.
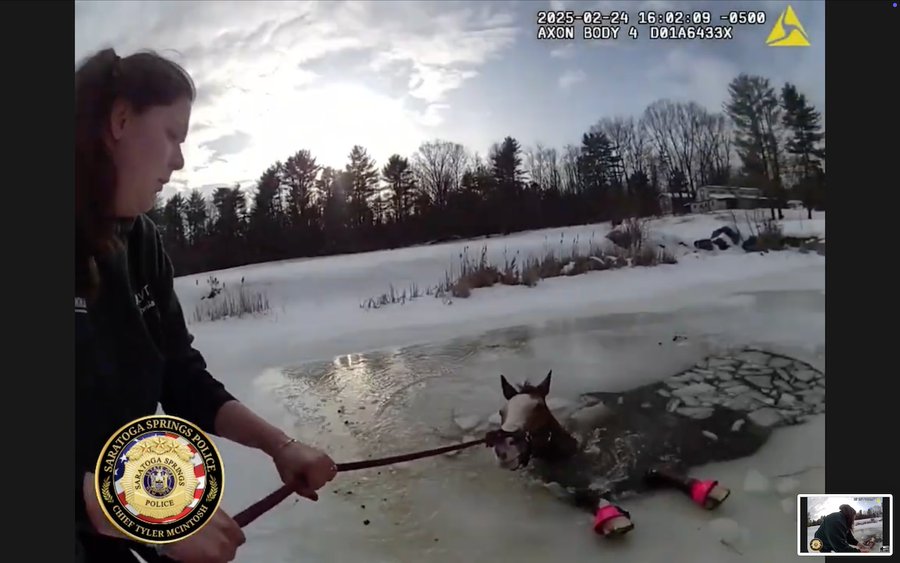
[(707, 493), (610, 520)]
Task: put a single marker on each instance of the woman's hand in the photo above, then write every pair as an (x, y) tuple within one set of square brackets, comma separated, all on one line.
[(304, 468), (216, 542)]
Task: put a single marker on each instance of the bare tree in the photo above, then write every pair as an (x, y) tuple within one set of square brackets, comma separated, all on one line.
[(439, 167), (571, 176), (657, 120), (674, 128), (542, 167), (550, 169), (621, 131), (713, 155)]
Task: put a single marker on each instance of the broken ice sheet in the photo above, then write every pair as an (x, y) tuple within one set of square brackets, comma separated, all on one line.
[(756, 482)]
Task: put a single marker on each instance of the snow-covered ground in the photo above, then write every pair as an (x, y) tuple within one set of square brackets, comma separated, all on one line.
[(465, 508)]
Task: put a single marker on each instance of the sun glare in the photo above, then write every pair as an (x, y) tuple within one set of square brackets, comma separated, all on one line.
[(281, 118)]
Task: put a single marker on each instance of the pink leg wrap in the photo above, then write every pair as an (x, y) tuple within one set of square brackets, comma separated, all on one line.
[(604, 514), (700, 490)]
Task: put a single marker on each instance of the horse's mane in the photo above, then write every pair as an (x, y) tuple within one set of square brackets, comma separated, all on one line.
[(528, 387)]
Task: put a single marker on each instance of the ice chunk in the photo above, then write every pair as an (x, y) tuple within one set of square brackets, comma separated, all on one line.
[(787, 485), (763, 381), (806, 375), (754, 358), (786, 400), (789, 505), (695, 389), (756, 482), (725, 529), (696, 412), (468, 422), (765, 417), (779, 362)]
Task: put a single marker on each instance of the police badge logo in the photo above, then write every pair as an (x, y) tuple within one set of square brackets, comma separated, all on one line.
[(159, 479), (815, 544)]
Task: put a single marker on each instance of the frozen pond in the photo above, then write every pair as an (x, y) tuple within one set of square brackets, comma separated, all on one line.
[(463, 507)]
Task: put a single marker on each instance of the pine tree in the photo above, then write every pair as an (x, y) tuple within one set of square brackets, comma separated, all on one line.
[(196, 216), (804, 124), (363, 178), (398, 176), (755, 112)]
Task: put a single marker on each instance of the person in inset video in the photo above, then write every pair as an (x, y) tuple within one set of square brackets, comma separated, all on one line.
[(836, 532)]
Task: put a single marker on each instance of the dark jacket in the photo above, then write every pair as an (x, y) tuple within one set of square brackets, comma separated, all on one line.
[(132, 353), (836, 535)]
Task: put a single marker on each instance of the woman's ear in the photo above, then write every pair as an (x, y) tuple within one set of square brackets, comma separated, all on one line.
[(119, 117)]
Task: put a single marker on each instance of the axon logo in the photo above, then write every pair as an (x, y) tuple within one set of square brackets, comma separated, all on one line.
[(144, 299)]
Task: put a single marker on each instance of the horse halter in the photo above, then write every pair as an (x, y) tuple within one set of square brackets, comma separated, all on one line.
[(521, 438)]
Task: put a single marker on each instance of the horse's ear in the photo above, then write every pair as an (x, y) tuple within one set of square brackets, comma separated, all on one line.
[(544, 386), (508, 390)]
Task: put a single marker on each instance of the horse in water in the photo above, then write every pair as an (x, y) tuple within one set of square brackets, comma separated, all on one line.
[(621, 444)]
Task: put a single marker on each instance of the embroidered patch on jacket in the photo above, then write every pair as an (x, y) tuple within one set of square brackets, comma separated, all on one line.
[(144, 299)]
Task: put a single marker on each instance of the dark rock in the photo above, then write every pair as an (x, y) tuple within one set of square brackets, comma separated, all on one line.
[(365, 522), (750, 245), (704, 244), (619, 238), (729, 232), (721, 243)]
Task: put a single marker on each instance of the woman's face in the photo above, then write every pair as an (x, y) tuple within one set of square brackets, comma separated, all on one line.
[(146, 149)]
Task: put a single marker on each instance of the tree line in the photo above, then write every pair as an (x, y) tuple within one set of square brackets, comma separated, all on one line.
[(762, 138)]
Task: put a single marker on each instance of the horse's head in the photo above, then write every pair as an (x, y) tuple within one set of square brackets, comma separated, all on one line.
[(524, 415)]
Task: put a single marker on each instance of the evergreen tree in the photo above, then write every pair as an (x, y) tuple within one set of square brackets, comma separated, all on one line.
[(804, 124)]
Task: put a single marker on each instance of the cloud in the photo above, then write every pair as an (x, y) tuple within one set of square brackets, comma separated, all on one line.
[(226, 145), (566, 51), (571, 78), (433, 115), (266, 72), (692, 76)]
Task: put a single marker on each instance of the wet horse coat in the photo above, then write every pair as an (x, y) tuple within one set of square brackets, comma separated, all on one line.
[(722, 409)]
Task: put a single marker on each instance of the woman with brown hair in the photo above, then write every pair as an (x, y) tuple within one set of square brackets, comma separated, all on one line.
[(133, 350), (836, 532)]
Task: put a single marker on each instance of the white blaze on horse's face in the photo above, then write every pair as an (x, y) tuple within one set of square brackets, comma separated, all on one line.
[(518, 411), (515, 416)]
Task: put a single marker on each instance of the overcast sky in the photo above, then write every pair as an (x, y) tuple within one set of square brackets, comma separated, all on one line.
[(274, 78)]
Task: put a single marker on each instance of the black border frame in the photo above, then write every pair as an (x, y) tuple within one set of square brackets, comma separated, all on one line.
[(863, 110), (38, 44), (802, 511)]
